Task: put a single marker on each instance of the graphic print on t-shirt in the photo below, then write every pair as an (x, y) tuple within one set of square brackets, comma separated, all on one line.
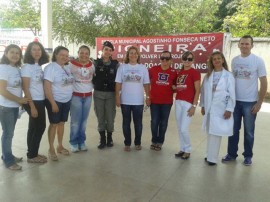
[(67, 78), (241, 72), (82, 75), (132, 76), (181, 82), (163, 79), (38, 75)]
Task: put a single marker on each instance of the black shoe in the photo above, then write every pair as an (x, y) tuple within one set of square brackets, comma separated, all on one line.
[(179, 154), (209, 163), (102, 143), (109, 140)]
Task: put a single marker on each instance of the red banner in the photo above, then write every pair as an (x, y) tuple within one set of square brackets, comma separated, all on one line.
[(202, 45)]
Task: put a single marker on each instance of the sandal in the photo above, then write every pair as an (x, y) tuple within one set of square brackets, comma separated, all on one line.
[(52, 156), (42, 156), (179, 154), (127, 148), (37, 160), (185, 156), (62, 151), (153, 146), (138, 147), (158, 147)]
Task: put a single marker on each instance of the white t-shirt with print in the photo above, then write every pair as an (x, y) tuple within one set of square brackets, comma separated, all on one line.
[(12, 76), (35, 73), (61, 80), (132, 78), (83, 78), (246, 71)]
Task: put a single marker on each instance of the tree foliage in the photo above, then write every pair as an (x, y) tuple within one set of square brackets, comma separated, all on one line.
[(81, 21), (21, 14), (252, 17)]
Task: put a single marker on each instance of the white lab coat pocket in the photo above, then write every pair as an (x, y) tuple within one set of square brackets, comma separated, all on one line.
[(220, 126)]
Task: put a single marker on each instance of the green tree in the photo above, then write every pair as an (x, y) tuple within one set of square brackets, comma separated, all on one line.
[(194, 16), (21, 14), (252, 17), (226, 8)]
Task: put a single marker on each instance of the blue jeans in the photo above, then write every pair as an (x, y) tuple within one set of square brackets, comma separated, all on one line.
[(8, 118), (242, 110), (79, 111), (159, 121), (137, 115)]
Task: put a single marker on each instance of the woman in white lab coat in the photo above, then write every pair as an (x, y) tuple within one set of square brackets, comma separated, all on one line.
[(217, 102)]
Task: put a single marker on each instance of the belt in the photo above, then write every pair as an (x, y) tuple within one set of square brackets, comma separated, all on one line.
[(82, 94)]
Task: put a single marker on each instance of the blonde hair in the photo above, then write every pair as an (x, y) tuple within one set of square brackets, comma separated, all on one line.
[(211, 65), (127, 54)]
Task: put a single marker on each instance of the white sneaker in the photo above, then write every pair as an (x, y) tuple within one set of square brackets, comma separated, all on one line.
[(83, 147), (74, 148)]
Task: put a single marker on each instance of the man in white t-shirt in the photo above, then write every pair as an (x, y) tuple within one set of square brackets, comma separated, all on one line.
[(247, 69)]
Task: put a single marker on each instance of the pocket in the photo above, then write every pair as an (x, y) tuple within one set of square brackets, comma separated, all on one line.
[(221, 126)]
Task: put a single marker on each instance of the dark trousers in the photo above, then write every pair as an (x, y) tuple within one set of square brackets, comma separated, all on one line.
[(137, 115), (159, 121), (36, 128)]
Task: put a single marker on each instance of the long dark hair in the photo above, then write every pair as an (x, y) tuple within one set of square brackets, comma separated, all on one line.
[(5, 60), (211, 65), (28, 58)]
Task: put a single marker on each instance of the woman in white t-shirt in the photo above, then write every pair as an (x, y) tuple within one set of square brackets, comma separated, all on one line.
[(58, 86), (32, 80), (10, 101), (132, 80)]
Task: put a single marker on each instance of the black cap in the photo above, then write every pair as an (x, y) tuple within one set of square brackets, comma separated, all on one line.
[(109, 44)]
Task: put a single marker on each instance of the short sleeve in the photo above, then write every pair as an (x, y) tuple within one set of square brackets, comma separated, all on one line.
[(26, 71), (48, 73)]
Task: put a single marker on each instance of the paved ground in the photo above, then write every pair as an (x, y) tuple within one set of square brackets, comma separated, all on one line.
[(146, 175)]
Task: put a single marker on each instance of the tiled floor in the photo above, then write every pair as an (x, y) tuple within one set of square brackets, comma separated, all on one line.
[(146, 175)]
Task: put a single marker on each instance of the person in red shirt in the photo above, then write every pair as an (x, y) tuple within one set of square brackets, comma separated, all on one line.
[(188, 91), (162, 78)]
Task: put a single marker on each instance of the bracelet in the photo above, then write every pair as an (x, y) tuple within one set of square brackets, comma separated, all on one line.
[(194, 106), (147, 97)]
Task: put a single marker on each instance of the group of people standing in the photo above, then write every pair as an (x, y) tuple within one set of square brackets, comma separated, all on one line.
[(66, 86)]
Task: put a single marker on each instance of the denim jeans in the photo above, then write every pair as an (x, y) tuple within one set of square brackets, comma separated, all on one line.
[(159, 121), (36, 128), (79, 111), (8, 118), (242, 110), (137, 115)]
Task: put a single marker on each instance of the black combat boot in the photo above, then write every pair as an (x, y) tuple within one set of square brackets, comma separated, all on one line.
[(109, 139), (102, 143)]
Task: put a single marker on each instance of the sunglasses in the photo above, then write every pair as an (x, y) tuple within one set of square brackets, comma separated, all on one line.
[(188, 59), (165, 58)]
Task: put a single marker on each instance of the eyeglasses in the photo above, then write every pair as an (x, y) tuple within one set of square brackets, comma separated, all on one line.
[(188, 59), (165, 58)]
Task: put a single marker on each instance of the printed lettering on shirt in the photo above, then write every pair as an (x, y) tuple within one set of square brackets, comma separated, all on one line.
[(163, 79), (241, 72), (181, 82), (132, 76)]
